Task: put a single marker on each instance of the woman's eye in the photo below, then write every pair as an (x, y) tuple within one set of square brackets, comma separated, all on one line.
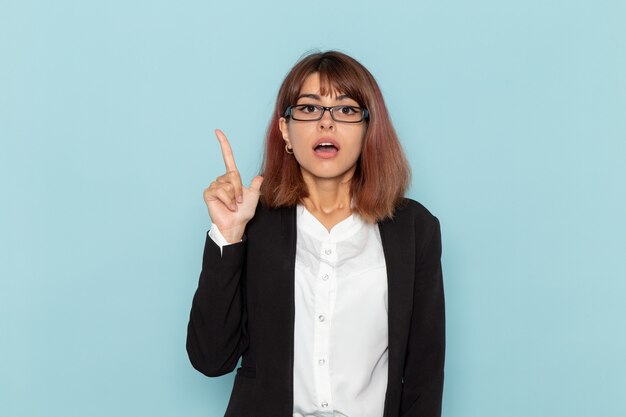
[(348, 110), (308, 108)]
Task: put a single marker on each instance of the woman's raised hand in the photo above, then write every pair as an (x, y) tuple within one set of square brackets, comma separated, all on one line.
[(230, 204)]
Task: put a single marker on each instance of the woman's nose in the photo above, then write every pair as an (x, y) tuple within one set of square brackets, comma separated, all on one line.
[(327, 122)]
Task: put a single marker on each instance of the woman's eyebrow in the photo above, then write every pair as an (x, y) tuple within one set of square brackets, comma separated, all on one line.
[(313, 96), (317, 97)]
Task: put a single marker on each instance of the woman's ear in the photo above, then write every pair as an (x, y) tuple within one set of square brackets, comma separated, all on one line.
[(283, 126)]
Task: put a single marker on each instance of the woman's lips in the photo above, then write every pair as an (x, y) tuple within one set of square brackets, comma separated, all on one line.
[(326, 148), (326, 152)]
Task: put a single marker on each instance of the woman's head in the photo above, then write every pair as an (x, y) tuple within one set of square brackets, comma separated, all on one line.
[(369, 151)]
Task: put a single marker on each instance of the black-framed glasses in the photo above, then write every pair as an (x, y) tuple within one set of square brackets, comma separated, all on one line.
[(313, 112)]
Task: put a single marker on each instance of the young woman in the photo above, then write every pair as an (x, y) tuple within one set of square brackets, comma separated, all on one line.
[(320, 275)]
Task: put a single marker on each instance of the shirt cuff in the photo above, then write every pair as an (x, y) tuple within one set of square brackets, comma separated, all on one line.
[(218, 238)]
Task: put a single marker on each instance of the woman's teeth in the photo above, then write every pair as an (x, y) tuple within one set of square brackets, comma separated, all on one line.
[(325, 146)]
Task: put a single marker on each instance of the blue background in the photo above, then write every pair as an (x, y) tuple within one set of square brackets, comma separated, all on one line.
[(513, 115)]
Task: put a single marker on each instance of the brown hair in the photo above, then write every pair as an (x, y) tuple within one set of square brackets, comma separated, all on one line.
[(382, 173)]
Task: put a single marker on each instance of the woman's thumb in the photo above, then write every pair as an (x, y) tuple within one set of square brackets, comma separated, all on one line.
[(255, 184)]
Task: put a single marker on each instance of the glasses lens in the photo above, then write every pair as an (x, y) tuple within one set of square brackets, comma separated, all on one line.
[(306, 112), (349, 114)]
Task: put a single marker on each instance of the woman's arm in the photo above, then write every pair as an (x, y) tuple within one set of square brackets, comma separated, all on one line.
[(216, 334), (423, 372)]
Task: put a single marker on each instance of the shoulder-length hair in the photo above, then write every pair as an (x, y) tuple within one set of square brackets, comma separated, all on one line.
[(382, 173)]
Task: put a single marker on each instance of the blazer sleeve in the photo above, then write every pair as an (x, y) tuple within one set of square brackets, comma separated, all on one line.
[(424, 365), (216, 333)]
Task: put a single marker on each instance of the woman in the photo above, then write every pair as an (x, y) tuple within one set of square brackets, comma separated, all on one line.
[(320, 275)]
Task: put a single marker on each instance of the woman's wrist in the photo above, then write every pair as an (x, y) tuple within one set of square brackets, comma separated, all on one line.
[(233, 234)]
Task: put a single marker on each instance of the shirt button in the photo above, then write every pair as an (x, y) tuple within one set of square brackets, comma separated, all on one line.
[(325, 277), (328, 251), (321, 317), (321, 361), (324, 404)]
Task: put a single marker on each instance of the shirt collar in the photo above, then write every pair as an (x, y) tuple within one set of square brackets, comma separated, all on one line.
[(346, 228)]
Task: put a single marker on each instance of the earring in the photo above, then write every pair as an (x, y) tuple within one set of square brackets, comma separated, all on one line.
[(288, 149)]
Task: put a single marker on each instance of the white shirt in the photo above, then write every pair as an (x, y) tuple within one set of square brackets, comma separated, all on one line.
[(341, 330)]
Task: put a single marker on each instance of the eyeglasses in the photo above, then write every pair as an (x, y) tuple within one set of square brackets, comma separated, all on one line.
[(312, 112)]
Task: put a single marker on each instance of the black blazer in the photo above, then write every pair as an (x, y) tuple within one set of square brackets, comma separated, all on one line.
[(244, 307)]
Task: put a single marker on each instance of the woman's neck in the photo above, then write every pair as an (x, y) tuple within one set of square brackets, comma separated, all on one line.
[(329, 200)]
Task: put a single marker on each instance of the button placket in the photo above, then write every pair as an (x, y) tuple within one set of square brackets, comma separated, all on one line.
[(322, 324)]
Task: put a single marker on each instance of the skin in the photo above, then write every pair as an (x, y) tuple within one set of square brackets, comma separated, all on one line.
[(231, 205)]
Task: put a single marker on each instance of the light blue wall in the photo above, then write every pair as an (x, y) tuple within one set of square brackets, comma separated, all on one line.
[(513, 115)]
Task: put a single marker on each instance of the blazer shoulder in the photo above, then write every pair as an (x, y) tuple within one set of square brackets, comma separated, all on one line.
[(410, 210), (411, 220), (414, 221)]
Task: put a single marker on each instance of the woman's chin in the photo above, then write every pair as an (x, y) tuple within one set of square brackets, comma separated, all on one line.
[(319, 173)]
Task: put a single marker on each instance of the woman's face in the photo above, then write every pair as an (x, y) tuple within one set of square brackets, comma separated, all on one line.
[(325, 149)]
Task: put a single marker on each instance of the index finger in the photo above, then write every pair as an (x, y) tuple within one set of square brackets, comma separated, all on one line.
[(227, 152)]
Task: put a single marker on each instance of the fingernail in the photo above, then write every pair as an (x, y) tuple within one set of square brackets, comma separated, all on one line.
[(240, 199), (233, 207)]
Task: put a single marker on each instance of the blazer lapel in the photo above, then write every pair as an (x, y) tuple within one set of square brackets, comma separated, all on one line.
[(399, 249), (288, 240)]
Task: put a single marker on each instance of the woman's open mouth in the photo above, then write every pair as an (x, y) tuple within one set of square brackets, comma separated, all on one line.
[(326, 149)]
